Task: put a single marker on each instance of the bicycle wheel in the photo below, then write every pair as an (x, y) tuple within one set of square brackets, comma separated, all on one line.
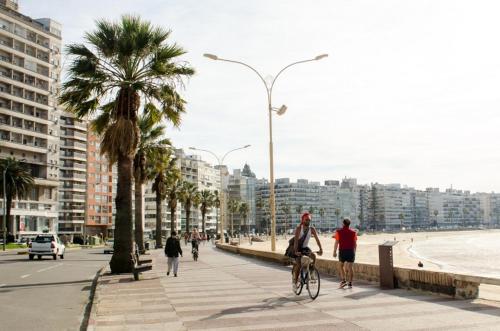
[(313, 283), (298, 286)]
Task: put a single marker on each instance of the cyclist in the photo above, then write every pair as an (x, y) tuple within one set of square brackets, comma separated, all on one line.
[(303, 233), (195, 238)]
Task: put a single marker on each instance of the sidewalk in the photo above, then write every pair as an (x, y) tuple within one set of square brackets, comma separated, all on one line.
[(227, 292)]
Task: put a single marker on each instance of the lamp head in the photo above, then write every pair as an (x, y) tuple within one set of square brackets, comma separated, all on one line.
[(211, 56), (281, 110), (246, 146), (319, 57)]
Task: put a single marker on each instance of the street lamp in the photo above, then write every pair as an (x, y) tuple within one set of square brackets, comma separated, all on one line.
[(220, 161), (279, 111)]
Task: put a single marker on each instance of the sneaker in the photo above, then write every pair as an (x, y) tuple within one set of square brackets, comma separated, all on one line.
[(342, 284), (168, 273), (349, 285)]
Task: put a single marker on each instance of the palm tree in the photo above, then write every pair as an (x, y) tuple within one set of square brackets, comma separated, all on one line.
[(262, 205), (299, 209), (158, 172), (173, 185), (233, 205), (18, 183), (125, 62), (436, 213), (150, 147), (189, 197), (206, 202), (401, 219), (337, 214), (285, 208), (322, 215), (217, 206), (244, 210)]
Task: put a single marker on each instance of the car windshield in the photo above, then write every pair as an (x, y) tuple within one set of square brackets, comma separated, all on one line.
[(44, 239)]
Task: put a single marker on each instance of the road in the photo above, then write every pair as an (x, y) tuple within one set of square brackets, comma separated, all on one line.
[(47, 294)]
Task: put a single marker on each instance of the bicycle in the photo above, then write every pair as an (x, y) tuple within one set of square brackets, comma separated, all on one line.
[(309, 276), (195, 253)]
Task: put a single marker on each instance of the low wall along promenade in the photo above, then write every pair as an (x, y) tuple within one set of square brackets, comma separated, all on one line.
[(456, 285)]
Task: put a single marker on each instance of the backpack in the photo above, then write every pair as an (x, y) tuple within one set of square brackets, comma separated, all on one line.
[(290, 251)]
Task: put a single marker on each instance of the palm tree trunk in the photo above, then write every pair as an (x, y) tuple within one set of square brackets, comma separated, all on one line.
[(203, 222), (139, 231), (123, 259), (173, 222), (188, 214), (159, 212)]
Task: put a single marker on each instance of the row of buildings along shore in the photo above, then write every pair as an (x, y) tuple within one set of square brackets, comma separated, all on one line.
[(75, 185)]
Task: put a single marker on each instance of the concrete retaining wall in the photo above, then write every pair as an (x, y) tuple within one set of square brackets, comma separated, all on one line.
[(455, 285)]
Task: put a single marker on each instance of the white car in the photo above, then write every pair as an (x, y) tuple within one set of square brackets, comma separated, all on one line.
[(46, 244)]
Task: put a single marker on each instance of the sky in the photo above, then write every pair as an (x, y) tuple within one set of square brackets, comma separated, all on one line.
[(409, 93)]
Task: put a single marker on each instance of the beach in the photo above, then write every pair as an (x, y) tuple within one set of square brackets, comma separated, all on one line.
[(468, 252)]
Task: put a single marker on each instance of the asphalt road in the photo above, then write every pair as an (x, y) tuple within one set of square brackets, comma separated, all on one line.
[(47, 294)]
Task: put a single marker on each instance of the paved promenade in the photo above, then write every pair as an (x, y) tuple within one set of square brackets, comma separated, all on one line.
[(226, 292)]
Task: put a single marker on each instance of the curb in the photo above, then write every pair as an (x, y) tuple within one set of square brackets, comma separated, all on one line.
[(90, 314)]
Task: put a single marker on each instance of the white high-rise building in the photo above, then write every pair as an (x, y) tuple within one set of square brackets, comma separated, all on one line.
[(30, 65)]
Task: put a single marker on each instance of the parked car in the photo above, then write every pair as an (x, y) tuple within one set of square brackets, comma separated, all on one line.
[(46, 244), (109, 246)]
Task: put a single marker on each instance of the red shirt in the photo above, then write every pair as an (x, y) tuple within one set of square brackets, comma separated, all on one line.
[(346, 238)]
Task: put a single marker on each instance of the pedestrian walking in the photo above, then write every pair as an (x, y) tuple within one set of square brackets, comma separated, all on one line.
[(345, 241), (172, 251)]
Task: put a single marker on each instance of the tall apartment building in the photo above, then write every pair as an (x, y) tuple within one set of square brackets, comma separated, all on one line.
[(30, 65), (289, 197), (241, 187), (206, 177), (99, 201), (73, 175)]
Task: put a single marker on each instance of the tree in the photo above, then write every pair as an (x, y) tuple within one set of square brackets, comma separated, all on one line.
[(173, 185), (233, 205), (125, 63), (337, 214), (189, 197), (244, 210), (436, 213), (322, 215), (464, 218), (286, 209), (217, 206), (151, 146), (299, 209), (206, 202), (159, 168), (18, 183), (263, 206), (401, 219)]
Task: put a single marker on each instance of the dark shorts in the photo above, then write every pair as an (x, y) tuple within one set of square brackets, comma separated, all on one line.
[(347, 255), (304, 251)]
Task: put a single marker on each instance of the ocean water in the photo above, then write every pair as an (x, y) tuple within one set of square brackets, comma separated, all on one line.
[(474, 253)]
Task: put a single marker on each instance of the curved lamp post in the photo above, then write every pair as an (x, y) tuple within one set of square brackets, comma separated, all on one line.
[(220, 161), (280, 111)]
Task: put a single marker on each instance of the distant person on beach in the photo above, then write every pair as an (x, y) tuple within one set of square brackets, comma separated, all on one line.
[(345, 241), (172, 251)]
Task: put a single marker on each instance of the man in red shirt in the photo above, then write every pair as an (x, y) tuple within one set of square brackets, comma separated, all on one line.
[(345, 241)]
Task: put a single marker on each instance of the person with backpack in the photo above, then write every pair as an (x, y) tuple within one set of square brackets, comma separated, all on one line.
[(172, 251), (300, 247)]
